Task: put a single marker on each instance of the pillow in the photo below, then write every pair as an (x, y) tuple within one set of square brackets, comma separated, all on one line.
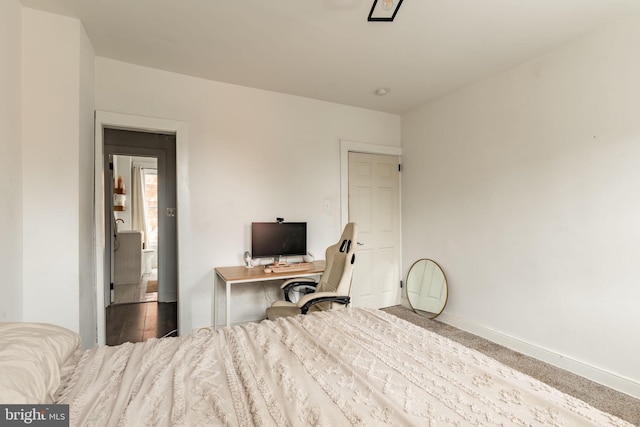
[(31, 356)]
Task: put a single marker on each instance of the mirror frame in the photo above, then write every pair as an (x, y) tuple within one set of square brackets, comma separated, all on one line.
[(446, 284)]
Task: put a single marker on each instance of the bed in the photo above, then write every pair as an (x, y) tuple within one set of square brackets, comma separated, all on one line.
[(348, 367)]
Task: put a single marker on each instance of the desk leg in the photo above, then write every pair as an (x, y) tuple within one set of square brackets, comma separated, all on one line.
[(228, 298), (214, 302)]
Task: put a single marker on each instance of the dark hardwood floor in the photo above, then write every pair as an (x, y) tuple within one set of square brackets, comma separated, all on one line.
[(140, 321)]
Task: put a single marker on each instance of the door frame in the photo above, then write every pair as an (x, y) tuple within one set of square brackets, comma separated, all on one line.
[(104, 119), (153, 144), (347, 147)]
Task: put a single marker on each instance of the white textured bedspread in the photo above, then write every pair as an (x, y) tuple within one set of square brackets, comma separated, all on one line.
[(349, 367)]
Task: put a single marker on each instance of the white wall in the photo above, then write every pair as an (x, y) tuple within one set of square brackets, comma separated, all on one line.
[(57, 114), (86, 261), (525, 187), (10, 162), (252, 156)]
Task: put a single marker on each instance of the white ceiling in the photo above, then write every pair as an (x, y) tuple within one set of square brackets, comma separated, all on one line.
[(326, 49)]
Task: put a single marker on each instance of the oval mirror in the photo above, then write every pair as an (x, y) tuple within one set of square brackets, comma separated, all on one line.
[(426, 288)]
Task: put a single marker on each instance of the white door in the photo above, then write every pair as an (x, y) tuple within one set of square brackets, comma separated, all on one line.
[(374, 204)]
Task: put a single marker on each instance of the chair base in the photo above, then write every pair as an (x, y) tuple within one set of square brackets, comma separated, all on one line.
[(275, 312)]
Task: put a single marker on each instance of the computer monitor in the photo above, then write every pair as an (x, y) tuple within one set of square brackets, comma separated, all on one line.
[(275, 239)]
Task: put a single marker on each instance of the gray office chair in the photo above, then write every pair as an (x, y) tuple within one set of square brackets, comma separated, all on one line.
[(332, 291)]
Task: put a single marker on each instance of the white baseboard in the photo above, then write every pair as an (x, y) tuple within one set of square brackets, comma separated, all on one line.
[(608, 379)]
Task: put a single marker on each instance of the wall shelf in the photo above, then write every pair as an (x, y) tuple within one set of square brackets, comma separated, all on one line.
[(120, 199)]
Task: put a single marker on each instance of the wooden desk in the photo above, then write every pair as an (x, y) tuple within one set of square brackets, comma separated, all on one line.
[(241, 274)]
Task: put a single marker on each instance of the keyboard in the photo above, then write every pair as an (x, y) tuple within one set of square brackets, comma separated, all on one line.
[(300, 266)]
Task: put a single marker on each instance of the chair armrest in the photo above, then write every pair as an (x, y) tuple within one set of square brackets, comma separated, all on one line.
[(301, 282), (317, 297), (298, 280)]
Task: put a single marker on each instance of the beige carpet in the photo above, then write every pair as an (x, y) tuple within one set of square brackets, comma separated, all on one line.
[(597, 395)]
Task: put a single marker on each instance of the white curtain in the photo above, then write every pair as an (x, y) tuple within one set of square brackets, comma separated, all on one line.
[(138, 214)]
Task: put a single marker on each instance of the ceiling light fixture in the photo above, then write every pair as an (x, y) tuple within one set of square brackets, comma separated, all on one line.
[(382, 91), (384, 10)]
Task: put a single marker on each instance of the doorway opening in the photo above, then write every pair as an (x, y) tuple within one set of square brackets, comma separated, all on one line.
[(135, 216), (140, 274)]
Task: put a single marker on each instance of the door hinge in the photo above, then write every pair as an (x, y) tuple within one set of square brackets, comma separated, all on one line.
[(399, 167), (400, 284)]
